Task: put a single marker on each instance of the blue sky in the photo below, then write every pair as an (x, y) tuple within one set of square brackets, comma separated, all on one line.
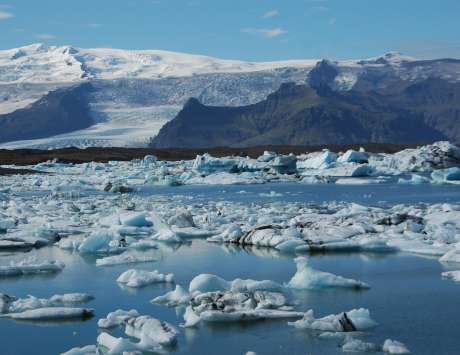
[(240, 29)]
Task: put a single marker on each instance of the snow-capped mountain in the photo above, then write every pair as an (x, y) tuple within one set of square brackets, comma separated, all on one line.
[(134, 92)]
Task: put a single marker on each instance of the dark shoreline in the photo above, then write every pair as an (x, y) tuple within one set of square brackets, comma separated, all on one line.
[(75, 155)]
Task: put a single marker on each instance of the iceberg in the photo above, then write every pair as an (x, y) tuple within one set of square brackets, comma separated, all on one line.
[(446, 175), (116, 318), (31, 267), (98, 241), (51, 313), (454, 275), (85, 350), (352, 156), (394, 347), (352, 345), (351, 321), (207, 164), (141, 278), (309, 278), (173, 298), (126, 258)]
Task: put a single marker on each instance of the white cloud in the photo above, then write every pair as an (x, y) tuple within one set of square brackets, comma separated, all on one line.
[(5, 15), (45, 36), (270, 14), (265, 32)]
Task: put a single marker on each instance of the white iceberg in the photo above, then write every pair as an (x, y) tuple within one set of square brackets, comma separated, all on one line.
[(173, 298), (140, 278), (126, 258), (309, 278), (395, 347), (354, 320), (30, 267), (116, 318), (51, 313), (85, 350)]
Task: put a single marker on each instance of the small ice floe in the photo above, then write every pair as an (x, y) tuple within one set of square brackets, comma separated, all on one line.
[(353, 156), (31, 266), (353, 345), (128, 257), (140, 278), (31, 302), (51, 313), (445, 176), (85, 350), (153, 334), (97, 242), (454, 275), (173, 298), (116, 318), (452, 256), (395, 347), (213, 299), (351, 321), (271, 194), (284, 239), (415, 179), (308, 278)]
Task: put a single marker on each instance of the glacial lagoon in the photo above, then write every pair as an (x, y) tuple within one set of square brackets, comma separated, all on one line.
[(408, 298)]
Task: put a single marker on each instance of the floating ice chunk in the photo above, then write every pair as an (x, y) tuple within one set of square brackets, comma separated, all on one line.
[(284, 164), (117, 346), (71, 242), (207, 164), (452, 256), (173, 298), (208, 283), (182, 219), (309, 278), (31, 302), (231, 234), (127, 257), (5, 302), (356, 319), (191, 319), (30, 267), (395, 347), (85, 350), (71, 298), (271, 194), (251, 353), (352, 156), (97, 241), (134, 219), (151, 331), (140, 278), (116, 318), (353, 345), (322, 160), (446, 175), (51, 313), (362, 170), (454, 275), (314, 179), (414, 179), (240, 285), (248, 315)]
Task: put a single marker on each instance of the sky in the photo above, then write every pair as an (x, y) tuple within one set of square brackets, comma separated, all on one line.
[(240, 29)]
